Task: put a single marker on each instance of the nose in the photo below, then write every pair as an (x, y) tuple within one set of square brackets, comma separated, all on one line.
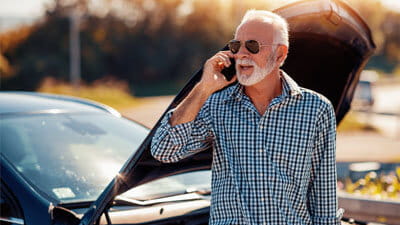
[(242, 53)]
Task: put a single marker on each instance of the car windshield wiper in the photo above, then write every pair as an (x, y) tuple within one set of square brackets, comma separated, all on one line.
[(188, 196)]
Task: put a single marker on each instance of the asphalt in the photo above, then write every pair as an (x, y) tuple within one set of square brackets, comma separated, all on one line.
[(383, 146)]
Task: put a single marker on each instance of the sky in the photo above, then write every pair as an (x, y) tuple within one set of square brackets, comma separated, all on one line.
[(22, 8), (23, 11), (34, 8)]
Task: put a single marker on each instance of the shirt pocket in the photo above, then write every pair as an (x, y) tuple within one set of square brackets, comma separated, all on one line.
[(288, 200), (290, 163)]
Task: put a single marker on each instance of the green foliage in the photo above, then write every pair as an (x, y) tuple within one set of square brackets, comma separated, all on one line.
[(385, 27), (157, 48), (381, 187), (148, 43), (43, 53)]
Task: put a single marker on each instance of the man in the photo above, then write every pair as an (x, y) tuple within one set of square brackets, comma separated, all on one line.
[(273, 141)]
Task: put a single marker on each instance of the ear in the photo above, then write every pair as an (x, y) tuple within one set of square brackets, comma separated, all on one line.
[(281, 53)]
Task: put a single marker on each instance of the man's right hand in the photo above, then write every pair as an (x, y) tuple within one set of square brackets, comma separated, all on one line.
[(212, 79)]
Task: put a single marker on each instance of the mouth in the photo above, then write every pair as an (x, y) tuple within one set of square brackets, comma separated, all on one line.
[(245, 67)]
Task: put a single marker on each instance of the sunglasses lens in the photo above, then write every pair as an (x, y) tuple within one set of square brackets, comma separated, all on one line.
[(252, 46), (234, 46)]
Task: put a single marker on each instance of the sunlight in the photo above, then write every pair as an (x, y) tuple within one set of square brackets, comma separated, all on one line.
[(108, 168), (36, 8), (392, 4), (185, 8), (103, 165)]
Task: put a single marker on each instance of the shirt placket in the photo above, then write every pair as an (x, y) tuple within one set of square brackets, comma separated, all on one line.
[(266, 177), (262, 171), (260, 193)]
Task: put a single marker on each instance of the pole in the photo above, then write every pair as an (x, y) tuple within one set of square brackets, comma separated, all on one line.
[(74, 41)]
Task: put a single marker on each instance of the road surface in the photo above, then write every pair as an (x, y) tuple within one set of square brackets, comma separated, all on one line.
[(351, 146)]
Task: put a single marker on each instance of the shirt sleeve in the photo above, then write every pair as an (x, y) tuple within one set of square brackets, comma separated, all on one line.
[(322, 199), (173, 143)]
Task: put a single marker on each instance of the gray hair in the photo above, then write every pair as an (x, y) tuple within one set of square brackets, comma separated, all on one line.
[(281, 31)]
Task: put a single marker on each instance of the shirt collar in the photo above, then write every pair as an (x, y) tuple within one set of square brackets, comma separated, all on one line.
[(236, 93), (289, 88)]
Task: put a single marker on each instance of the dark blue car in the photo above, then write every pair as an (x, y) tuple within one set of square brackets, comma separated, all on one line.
[(58, 151)]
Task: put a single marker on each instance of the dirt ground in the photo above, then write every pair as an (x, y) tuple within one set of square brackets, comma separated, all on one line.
[(354, 146)]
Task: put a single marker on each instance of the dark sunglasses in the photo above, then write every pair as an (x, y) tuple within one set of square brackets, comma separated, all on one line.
[(252, 46)]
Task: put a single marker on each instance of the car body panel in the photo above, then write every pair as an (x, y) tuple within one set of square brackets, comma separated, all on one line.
[(36, 206), (330, 24), (328, 55), (27, 197), (12, 102)]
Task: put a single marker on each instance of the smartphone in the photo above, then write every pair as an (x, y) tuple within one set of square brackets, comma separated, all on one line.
[(230, 71)]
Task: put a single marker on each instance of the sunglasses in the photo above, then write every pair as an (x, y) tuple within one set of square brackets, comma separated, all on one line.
[(252, 46)]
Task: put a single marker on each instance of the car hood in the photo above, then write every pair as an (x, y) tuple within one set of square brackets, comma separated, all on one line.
[(329, 46)]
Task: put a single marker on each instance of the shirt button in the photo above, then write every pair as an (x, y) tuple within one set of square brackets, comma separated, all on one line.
[(261, 174), (261, 150), (262, 199)]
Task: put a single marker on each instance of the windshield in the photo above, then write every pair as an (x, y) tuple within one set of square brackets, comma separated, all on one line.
[(70, 157)]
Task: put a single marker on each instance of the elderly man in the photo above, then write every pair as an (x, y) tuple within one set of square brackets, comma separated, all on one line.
[(273, 141)]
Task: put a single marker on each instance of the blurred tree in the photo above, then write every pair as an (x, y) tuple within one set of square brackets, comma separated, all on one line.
[(150, 43), (385, 26)]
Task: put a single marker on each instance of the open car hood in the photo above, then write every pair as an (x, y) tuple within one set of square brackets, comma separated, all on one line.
[(329, 46)]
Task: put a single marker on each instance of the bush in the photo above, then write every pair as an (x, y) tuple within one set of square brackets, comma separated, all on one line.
[(109, 91)]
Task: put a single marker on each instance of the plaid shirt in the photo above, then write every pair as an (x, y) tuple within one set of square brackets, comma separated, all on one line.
[(276, 168)]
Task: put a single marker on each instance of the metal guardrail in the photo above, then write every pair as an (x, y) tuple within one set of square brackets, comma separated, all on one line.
[(380, 211), (377, 112)]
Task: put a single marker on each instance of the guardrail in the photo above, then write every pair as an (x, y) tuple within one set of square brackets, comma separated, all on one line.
[(380, 211), (377, 112)]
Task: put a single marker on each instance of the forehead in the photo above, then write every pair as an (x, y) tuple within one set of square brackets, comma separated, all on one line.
[(255, 30)]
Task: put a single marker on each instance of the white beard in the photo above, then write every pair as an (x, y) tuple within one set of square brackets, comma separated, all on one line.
[(259, 73)]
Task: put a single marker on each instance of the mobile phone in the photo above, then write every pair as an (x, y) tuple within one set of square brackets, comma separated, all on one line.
[(230, 71)]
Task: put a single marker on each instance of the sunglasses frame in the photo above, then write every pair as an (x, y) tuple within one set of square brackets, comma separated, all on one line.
[(246, 46)]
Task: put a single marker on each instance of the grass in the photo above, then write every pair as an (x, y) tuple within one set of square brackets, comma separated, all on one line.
[(108, 91)]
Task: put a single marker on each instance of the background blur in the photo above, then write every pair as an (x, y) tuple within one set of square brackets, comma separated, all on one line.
[(153, 46), (135, 55)]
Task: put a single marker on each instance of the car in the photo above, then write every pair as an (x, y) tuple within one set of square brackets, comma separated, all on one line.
[(60, 155), (363, 96), (59, 151)]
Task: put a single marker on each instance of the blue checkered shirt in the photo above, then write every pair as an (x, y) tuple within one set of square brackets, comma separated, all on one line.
[(276, 168)]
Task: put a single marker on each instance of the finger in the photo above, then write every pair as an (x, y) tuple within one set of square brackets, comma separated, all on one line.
[(223, 60), (218, 75), (228, 53), (226, 59)]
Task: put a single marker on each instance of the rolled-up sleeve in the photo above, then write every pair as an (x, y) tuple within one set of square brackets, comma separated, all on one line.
[(322, 199), (173, 143)]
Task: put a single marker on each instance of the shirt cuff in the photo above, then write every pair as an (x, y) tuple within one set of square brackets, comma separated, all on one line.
[(180, 133)]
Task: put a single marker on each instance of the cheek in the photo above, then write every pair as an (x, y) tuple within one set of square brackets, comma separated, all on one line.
[(261, 61)]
